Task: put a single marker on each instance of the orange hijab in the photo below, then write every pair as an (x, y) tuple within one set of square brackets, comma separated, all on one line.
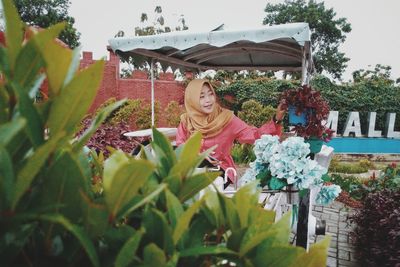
[(194, 119)]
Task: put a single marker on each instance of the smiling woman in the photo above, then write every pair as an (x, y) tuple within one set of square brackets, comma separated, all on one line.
[(219, 127)]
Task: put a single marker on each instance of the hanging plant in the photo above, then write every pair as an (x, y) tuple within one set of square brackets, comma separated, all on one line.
[(306, 100)]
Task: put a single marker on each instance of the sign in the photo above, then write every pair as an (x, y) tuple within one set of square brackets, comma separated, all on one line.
[(353, 126)]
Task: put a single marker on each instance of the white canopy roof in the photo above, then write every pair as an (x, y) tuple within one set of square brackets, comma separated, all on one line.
[(278, 47)]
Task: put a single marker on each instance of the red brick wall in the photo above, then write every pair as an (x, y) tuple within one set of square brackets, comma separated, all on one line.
[(138, 86)]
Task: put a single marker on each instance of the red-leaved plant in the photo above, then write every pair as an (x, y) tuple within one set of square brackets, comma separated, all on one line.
[(305, 98)]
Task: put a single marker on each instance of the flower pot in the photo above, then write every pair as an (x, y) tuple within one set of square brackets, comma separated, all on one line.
[(295, 119), (315, 144)]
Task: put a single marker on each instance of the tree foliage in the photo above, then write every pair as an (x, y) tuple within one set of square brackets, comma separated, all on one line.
[(380, 74), (44, 13), (327, 32), (155, 24)]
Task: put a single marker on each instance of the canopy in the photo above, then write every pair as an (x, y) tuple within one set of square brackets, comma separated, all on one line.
[(278, 47)]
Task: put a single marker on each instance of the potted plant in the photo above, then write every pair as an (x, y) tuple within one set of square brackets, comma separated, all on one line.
[(308, 112)]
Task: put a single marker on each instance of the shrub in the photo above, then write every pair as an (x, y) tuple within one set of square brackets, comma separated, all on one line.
[(142, 117), (109, 136), (350, 168), (253, 113), (376, 235), (366, 164), (351, 184), (124, 114), (173, 113)]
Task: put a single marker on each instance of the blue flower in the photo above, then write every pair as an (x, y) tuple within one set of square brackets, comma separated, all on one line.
[(287, 160), (327, 194)]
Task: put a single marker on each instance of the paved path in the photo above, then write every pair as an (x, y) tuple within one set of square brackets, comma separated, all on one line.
[(341, 251)]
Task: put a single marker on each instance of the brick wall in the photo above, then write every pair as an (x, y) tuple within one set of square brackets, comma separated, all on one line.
[(138, 86)]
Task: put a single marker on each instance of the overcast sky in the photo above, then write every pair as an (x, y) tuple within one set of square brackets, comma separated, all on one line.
[(374, 39)]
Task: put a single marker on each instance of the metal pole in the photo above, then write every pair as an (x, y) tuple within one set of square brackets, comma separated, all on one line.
[(152, 91), (304, 66)]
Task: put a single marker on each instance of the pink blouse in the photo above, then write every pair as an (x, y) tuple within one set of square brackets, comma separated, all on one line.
[(236, 129)]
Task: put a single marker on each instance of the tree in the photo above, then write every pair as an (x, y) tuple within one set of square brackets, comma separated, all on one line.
[(44, 13), (327, 33), (156, 26), (380, 73)]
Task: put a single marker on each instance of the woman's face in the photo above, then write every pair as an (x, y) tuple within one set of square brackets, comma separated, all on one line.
[(207, 99)]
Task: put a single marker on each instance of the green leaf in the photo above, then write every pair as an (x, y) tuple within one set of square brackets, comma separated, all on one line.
[(244, 199), (193, 184), (6, 178), (155, 219), (63, 182), (4, 64), (28, 172), (77, 232), (263, 228), (184, 221), (279, 256), (29, 63), (154, 256), (123, 179), (164, 144), (174, 208), (11, 134), (56, 70), (209, 250), (35, 127), (212, 203), (326, 177), (75, 99), (276, 184), (230, 212), (95, 216), (128, 250), (73, 67), (4, 102), (140, 201), (14, 31), (101, 116), (316, 256)]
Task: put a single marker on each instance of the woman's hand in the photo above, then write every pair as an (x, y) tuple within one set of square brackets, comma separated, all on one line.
[(213, 160)]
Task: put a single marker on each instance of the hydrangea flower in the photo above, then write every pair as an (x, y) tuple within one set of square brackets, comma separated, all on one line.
[(327, 194), (287, 160)]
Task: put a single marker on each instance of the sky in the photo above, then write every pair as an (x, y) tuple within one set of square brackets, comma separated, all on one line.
[(374, 38)]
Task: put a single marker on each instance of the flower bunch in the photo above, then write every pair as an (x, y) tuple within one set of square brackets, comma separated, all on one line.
[(281, 164), (327, 194)]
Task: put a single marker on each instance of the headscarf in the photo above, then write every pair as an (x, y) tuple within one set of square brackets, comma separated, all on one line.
[(194, 119)]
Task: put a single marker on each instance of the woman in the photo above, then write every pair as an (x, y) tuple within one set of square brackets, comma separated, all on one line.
[(218, 125)]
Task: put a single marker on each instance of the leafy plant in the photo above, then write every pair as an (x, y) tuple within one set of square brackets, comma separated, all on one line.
[(173, 111), (305, 99), (125, 114), (109, 136), (376, 235), (243, 153), (142, 117), (253, 113)]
